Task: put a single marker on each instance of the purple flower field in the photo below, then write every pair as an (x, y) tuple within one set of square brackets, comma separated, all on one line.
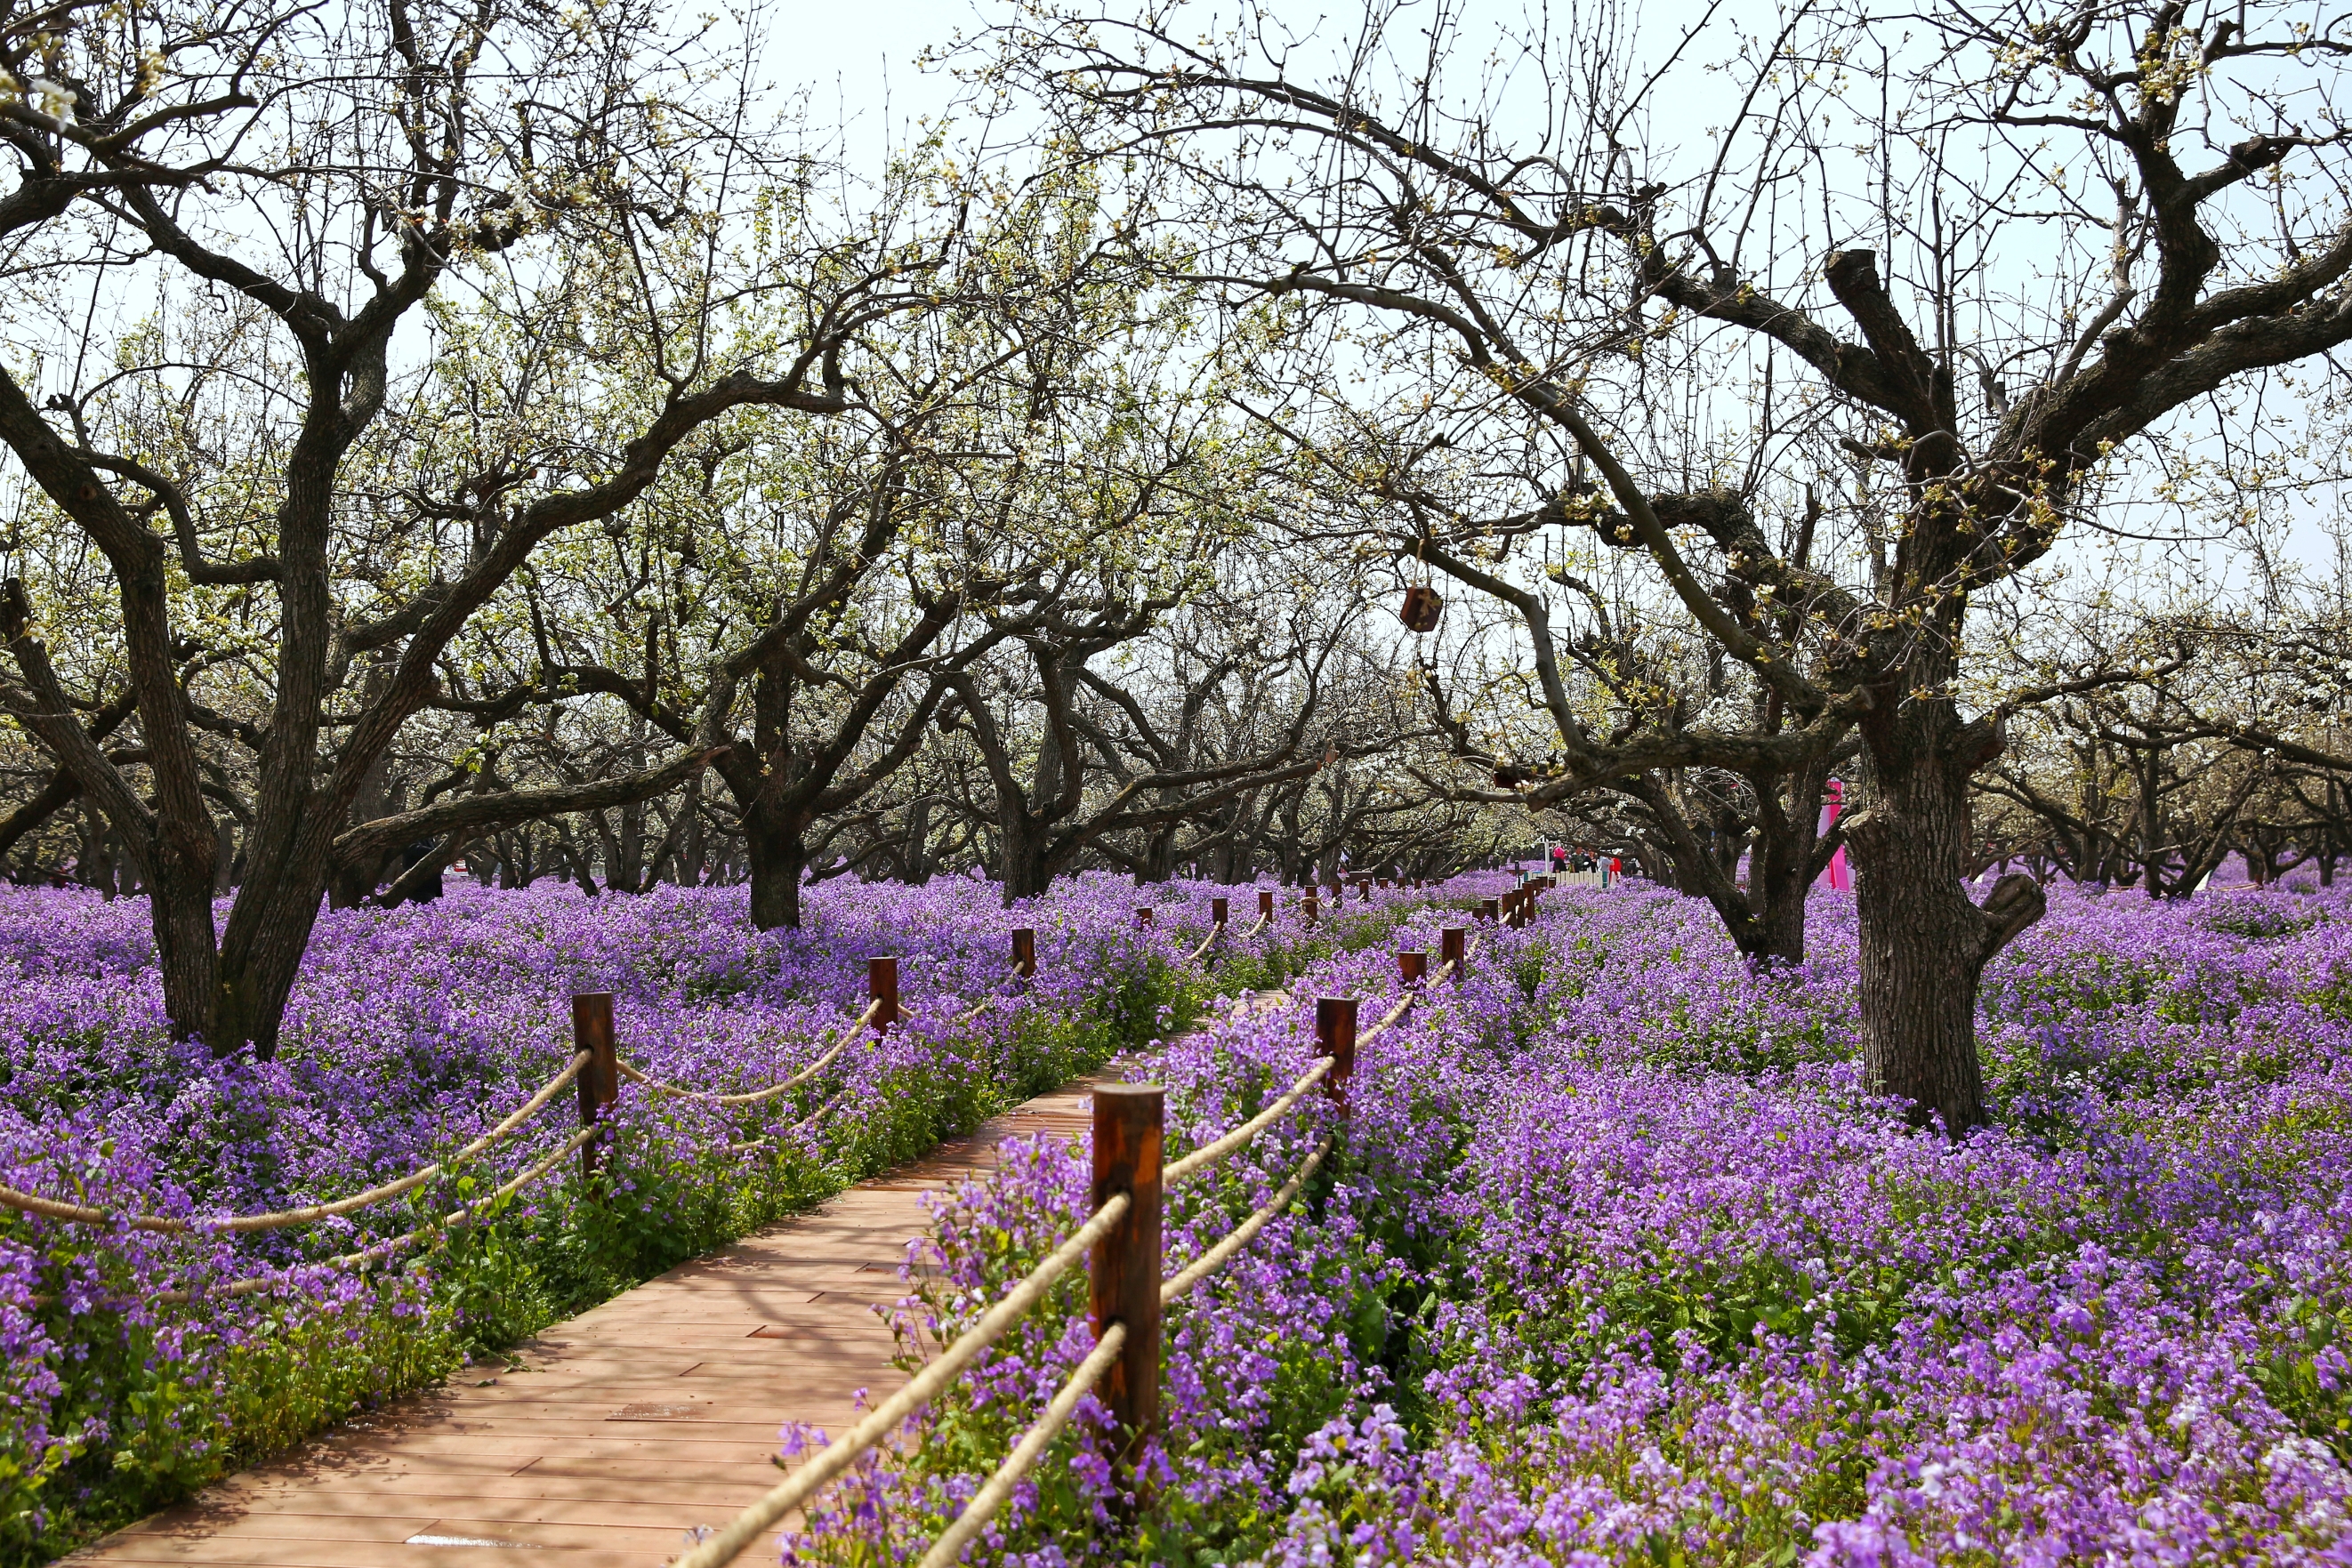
[(1619, 1264), (412, 1031)]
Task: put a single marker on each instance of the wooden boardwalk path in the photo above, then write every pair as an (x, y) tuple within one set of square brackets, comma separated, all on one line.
[(623, 1429)]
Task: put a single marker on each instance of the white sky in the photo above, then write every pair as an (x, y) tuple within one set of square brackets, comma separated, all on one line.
[(855, 59)]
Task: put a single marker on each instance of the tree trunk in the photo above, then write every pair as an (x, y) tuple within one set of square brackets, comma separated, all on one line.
[(1923, 944), (350, 886), (1022, 855), (779, 854), (1775, 933), (180, 905), (627, 872), (690, 848), (260, 956)]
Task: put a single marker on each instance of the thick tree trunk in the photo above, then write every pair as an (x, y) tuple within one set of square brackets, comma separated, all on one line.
[(918, 841), (1024, 867), (1923, 943), (261, 955), (180, 907), (1777, 930), (1766, 917), (777, 855)]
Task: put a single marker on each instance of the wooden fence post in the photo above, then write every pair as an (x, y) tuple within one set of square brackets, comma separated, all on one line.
[(600, 1075), (1452, 947), (1265, 903), (1126, 1264), (1310, 909), (1412, 967), (1364, 888), (882, 985), (1143, 915), (1334, 1037), (1487, 910), (1024, 951), (1218, 910)]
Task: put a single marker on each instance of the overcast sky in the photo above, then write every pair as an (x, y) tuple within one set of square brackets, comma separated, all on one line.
[(855, 59)]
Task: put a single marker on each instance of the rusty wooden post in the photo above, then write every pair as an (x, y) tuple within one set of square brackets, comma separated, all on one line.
[(1143, 915), (1334, 1037), (882, 985), (1364, 888), (1126, 1264), (600, 1075), (1453, 945), (1219, 909), (1310, 909), (1487, 910), (1266, 904), (1412, 967), (1024, 951)]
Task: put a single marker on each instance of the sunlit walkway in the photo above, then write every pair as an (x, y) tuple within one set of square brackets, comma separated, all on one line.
[(624, 1427)]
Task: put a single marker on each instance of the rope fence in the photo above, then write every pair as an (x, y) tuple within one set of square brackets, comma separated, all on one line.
[(728, 1542), (754, 1097), (78, 1214), (598, 1071), (384, 1249), (1129, 1284), (948, 1548), (1122, 1234), (1175, 1289)]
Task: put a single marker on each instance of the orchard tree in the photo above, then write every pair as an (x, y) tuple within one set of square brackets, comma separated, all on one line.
[(323, 323), (2004, 255)]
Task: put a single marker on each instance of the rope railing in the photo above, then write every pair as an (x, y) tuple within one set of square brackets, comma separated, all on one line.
[(1404, 1005), (382, 1249), (78, 1214), (756, 1145), (755, 1096), (1215, 1258), (1130, 1288), (1209, 1153), (948, 1548), (1127, 1135), (728, 1542), (1022, 966)]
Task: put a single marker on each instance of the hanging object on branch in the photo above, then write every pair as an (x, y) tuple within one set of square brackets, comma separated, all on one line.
[(1422, 604)]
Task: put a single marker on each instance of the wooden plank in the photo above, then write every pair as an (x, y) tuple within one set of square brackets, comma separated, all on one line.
[(239, 1552)]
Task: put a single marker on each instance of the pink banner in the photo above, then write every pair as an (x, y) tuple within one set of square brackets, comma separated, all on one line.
[(1837, 878)]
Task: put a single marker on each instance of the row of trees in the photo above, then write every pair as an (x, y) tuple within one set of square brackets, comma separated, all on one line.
[(444, 430), (2189, 744)]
